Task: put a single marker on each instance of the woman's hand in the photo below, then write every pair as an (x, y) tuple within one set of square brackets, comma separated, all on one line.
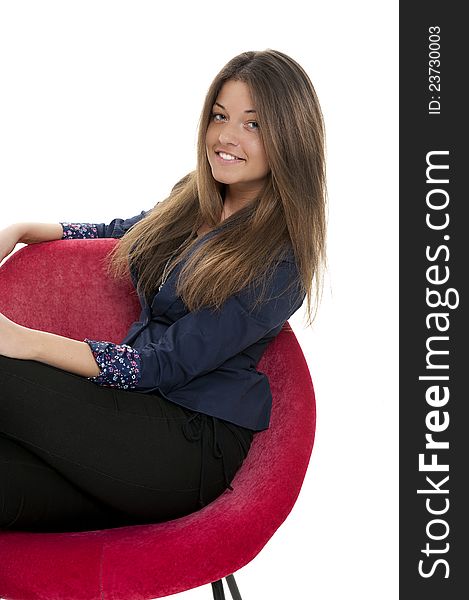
[(13, 339), (9, 237)]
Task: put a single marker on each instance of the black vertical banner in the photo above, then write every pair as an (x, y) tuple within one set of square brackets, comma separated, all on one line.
[(434, 335)]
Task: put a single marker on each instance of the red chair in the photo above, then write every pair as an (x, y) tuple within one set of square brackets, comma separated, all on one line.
[(43, 286)]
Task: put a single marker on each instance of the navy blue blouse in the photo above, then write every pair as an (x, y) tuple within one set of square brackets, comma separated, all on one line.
[(204, 360)]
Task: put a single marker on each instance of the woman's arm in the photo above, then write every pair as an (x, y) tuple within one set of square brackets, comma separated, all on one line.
[(27, 233), (115, 229), (202, 340), (64, 353), (33, 233)]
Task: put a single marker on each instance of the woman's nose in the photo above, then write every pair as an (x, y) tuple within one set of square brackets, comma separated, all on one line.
[(228, 135)]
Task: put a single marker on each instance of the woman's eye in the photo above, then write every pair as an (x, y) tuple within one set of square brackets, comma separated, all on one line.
[(214, 116), (253, 125)]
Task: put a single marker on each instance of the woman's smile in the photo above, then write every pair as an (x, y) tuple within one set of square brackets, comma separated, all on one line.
[(225, 158)]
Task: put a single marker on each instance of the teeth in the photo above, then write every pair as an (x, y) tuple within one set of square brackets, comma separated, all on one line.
[(227, 156)]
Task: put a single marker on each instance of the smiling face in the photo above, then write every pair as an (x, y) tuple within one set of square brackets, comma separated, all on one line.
[(233, 143)]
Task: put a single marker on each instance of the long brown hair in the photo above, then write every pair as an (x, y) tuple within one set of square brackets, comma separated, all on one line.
[(290, 211)]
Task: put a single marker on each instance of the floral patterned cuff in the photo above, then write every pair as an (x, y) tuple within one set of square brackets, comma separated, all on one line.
[(121, 365), (74, 231)]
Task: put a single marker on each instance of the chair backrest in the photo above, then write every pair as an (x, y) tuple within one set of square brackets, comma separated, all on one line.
[(62, 287)]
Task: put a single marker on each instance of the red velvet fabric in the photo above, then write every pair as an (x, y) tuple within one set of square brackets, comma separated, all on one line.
[(61, 287)]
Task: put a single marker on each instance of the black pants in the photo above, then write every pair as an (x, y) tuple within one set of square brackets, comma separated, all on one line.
[(75, 456)]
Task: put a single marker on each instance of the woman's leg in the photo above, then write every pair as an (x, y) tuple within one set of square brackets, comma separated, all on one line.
[(35, 497), (126, 451)]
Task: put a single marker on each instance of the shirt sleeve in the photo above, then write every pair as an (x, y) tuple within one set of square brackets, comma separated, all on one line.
[(200, 341), (120, 364), (115, 229)]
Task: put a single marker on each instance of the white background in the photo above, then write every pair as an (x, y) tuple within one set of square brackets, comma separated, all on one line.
[(99, 107)]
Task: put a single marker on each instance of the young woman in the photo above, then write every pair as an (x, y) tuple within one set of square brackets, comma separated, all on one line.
[(95, 434)]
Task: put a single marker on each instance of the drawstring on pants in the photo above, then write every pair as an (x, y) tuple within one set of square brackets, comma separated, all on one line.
[(195, 434)]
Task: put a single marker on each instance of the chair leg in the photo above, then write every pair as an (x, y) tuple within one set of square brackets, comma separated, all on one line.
[(230, 580), (217, 589), (218, 592)]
